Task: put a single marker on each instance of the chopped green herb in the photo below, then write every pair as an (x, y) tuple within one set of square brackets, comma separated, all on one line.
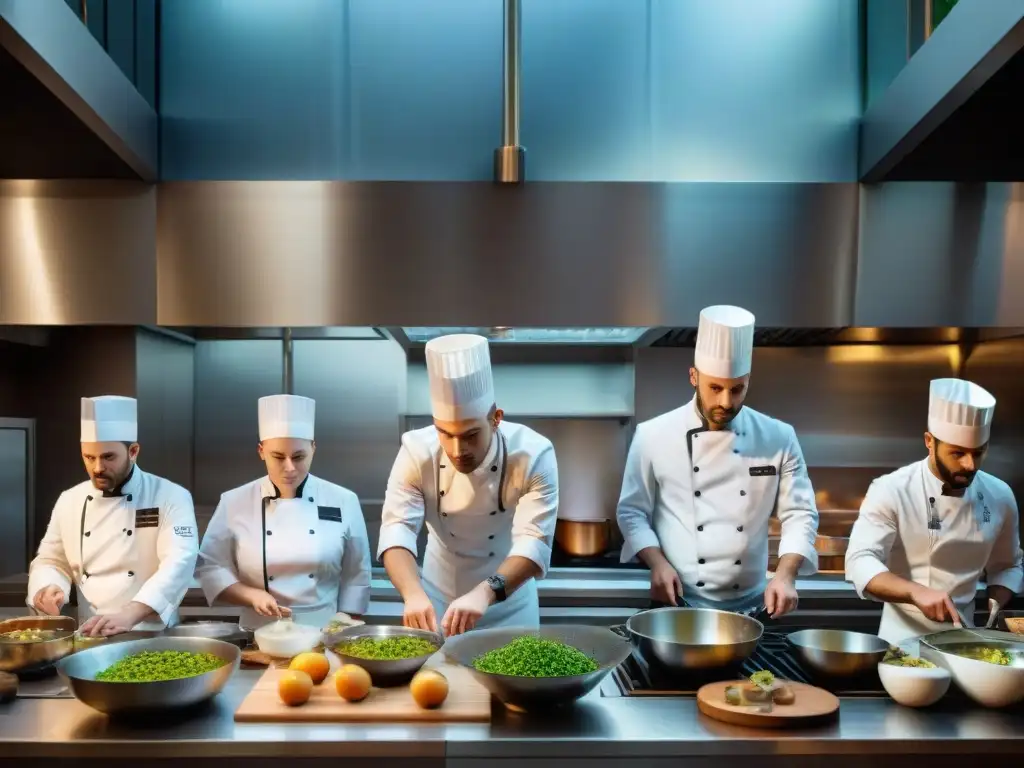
[(386, 648), (150, 666), (763, 679), (530, 656)]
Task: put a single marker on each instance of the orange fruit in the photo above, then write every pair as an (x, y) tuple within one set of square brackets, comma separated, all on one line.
[(294, 687), (313, 664), (429, 688), (353, 682)]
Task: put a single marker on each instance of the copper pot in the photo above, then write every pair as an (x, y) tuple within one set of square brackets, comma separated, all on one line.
[(583, 538)]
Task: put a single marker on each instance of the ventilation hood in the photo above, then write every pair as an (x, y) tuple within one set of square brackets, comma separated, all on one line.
[(623, 336)]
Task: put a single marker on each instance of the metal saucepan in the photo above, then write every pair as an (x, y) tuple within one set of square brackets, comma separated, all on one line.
[(838, 653), (681, 639), (33, 656)]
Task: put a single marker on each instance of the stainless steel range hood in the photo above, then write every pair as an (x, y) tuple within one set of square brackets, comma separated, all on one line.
[(507, 335)]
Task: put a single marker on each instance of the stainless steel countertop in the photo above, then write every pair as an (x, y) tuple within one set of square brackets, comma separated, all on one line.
[(598, 727)]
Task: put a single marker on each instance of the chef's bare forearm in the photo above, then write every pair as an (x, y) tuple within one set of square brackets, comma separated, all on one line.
[(240, 594), (652, 557), (1000, 594), (403, 572), (789, 566), (517, 571), (890, 588)]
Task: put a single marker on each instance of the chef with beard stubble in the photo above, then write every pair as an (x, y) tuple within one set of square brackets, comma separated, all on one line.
[(126, 539), (927, 531), (488, 492), (702, 481), (288, 544)]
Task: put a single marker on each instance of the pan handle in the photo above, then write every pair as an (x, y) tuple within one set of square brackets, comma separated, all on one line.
[(620, 630)]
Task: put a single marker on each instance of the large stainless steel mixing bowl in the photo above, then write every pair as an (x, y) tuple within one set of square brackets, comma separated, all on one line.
[(990, 685), (383, 673), (681, 639), (80, 670), (532, 693), (21, 657), (838, 653)]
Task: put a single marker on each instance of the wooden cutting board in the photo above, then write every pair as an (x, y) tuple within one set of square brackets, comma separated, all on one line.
[(811, 707), (467, 701)]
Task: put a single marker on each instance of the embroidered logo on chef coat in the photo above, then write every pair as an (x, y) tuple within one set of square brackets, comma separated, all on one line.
[(185, 531), (147, 518), (768, 471), (330, 514)]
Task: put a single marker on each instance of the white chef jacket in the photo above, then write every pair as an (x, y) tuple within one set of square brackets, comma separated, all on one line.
[(475, 521), (705, 498), (979, 531), (137, 543), (311, 552)]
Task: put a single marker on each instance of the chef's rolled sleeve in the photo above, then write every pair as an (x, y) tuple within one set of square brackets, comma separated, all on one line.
[(871, 539), (216, 568), (50, 565), (1004, 567), (177, 548), (635, 510), (402, 514), (536, 515), (354, 586), (796, 510)]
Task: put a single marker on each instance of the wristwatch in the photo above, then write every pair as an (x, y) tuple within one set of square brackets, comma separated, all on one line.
[(497, 584)]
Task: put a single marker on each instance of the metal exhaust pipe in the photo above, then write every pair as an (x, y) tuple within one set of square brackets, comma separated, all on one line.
[(510, 158)]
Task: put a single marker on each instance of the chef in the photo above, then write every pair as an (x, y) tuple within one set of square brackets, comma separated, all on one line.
[(926, 532), (701, 482), (488, 492), (287, 544), (126, 539)]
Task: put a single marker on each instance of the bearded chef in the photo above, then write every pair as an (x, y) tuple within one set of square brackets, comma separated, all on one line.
[(126, 539), (289, 543), (701, 482), (926, 532), (488, 492)]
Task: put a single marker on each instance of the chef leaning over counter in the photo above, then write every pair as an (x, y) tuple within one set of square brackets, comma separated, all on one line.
[(927, 531), (488, 492), (126, 539), (289, 543), (701, 482)]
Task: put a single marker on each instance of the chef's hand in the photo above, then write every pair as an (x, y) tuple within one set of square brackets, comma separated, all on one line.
[(105, 625), (49, 600), (666, 586), (463, 613), (780, 597), (265, 605), (418, 613), (936, 605)]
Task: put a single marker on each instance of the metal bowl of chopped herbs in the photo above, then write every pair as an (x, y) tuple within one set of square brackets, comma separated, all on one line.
[(530, 669), (391, 654), (150, 675)]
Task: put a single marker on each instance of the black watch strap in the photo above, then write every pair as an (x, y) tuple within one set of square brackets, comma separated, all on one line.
[(497, 584)]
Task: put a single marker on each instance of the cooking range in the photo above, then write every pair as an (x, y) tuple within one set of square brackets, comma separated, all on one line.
[(635, 677)]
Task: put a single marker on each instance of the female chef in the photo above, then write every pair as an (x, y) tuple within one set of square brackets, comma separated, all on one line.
[(488, 492), (288, 544)]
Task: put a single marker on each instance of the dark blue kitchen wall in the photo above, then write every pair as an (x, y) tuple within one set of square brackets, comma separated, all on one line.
[(411, 89), (127, 30)]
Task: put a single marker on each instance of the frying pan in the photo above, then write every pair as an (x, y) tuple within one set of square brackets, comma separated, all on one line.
[(21, 657)]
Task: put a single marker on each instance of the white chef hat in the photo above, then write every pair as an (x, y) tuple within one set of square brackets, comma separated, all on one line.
[(461, 384), (960, 412), (109, 418), (725, 342), (286, 416)]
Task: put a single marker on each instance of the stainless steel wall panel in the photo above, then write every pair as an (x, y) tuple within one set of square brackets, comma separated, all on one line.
[(335, 253), (75, 253)]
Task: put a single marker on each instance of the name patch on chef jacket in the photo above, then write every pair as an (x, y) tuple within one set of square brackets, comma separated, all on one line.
[(768, 471), (185, 531), (147, 518), (331, 514)]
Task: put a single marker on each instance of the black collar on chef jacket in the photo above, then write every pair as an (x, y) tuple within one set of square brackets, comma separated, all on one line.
[(703, 426), (263, 521)]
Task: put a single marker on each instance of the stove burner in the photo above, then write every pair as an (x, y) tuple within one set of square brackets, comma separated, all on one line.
[(634, 677)]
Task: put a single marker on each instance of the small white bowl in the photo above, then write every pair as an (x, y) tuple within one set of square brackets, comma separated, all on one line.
[(286, 639), (914, 686)]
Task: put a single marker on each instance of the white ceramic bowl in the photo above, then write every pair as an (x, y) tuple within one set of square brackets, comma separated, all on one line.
[(990, 685), (914, 686), (285, 639)]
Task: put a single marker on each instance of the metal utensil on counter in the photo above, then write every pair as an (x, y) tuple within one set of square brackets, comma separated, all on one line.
[(383, 672), (532, 693), (837, 652), (29, 657), (681, 639), (80, 670)]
